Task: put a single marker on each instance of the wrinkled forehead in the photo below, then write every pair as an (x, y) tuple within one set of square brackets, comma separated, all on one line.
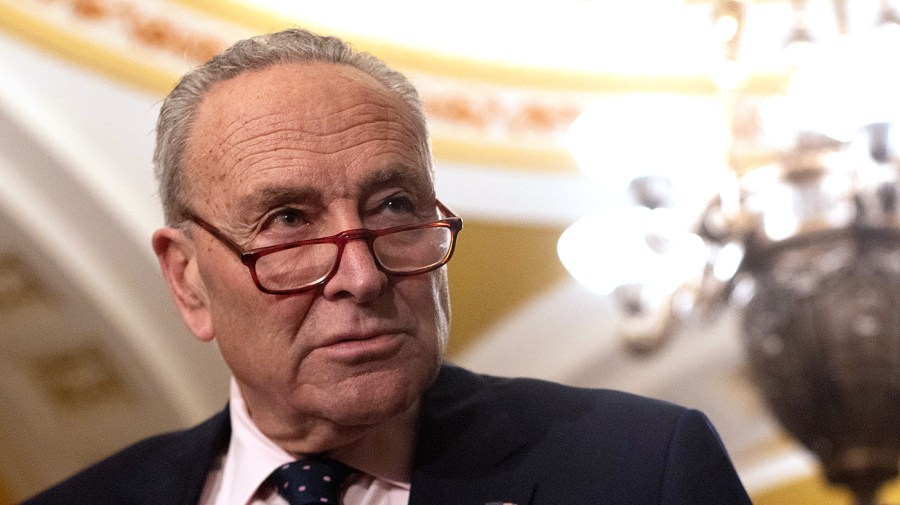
[(327, 122)]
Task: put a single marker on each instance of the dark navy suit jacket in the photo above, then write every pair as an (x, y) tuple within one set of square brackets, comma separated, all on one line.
[(482, 440)]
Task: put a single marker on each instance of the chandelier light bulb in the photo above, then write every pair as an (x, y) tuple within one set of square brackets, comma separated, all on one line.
[(727, 261), (726, 28), (848, 84), (631, 246), (683, 139)]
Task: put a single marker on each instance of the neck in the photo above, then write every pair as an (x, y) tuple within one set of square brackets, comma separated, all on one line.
[(385, 451)]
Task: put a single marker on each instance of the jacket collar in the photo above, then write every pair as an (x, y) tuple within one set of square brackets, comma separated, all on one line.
[(467, 446), (180, 480)]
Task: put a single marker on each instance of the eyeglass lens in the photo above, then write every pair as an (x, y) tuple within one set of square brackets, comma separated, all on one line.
[(399, 252)]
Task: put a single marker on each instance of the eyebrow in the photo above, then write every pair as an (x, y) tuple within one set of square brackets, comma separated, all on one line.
[(273, 196), (397, 175)]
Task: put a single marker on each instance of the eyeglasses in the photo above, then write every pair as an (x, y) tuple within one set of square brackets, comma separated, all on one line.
[(298, 266)]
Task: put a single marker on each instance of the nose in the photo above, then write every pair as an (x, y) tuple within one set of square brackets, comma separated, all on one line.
[(357, 275)]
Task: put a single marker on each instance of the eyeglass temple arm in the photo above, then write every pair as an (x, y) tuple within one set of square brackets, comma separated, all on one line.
[(448, 214), (216, 233)]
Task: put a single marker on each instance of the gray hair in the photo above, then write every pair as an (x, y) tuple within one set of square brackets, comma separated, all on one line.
[(178, 110)]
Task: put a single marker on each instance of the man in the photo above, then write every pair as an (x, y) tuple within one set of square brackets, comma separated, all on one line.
[(305, 237)]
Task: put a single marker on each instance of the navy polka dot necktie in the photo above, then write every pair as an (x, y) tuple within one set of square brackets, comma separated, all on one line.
[(311, 481)]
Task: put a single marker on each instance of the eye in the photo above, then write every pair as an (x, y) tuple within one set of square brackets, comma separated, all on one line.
[(283, 225), (288, 217), (394, 210), (400, 205)]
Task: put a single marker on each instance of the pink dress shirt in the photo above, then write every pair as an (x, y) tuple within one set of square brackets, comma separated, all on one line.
[(238, 477)]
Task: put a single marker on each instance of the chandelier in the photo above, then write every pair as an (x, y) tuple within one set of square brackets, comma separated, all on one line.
[(803, 242)]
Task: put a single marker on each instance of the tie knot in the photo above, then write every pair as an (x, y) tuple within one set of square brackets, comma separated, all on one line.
[(311, 481)]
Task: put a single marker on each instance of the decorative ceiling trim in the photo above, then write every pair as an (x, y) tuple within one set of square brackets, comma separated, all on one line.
[(18, 285), (483, 113), (815, 489), (78, 378), (260, 19), (491, 125), (113, 39), (502, 155), (85, 235)]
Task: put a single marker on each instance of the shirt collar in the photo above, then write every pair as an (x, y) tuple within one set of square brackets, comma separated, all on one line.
[(251, 455)]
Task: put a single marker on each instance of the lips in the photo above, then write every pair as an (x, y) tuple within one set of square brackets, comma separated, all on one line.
[(356, 337), (364, 347)]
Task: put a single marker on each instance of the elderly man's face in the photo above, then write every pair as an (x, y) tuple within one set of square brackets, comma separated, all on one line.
[(325, 148)]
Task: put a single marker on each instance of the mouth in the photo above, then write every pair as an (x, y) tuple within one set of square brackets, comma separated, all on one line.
[(360, 348)]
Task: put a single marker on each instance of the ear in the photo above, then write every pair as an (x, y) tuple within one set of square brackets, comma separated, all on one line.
[(178, 260)]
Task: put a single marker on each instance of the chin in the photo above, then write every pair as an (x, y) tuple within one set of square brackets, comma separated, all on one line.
[(375, 397)]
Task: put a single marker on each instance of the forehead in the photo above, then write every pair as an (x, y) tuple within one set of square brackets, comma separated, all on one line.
[(325, 128)]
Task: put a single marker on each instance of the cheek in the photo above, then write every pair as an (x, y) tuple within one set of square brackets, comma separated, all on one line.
[(428, 297), (257, 337), (441, 293), (262, 316), (243, 316)]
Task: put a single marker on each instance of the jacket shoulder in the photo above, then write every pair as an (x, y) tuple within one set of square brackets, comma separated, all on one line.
[(537, 397), (582, 445), (163, 466), (558, 422)]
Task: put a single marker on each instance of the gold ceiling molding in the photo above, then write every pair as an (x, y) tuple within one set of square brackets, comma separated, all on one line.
[(483, 113), (817, 490), (5, 495), (456, 66), (122, 39), (79, 378), (150, 47), (19, 286)]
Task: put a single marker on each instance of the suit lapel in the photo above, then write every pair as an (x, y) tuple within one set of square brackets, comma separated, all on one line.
[(179, 474), (210, 441), (467, 450), (467, 446)]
